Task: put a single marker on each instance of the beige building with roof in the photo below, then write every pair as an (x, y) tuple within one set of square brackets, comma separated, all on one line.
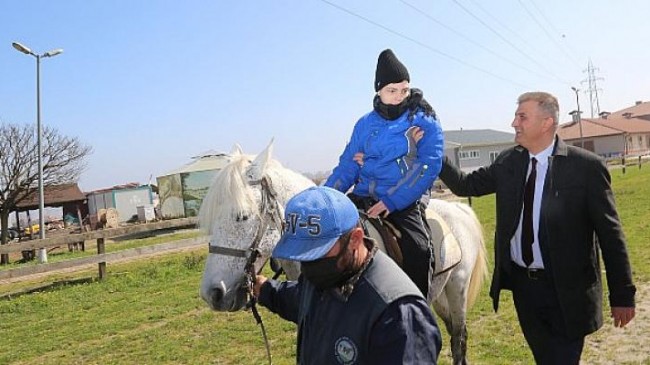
[(181, 191), (622, 133)]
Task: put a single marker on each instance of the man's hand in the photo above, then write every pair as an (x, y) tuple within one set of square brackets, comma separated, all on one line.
[(417, 133), (259, 281), (622, 315), (377, 210), (358, 158)]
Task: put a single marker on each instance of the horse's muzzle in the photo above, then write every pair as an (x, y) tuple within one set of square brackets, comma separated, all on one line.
[(223, 300)]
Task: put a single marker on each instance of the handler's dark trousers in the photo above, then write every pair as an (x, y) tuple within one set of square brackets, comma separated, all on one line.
[(540, 318), (415, 242)]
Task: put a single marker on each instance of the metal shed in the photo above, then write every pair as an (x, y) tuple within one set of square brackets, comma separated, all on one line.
[(181, 191), (124, 198)]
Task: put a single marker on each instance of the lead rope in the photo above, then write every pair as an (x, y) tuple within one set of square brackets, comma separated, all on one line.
[(268, 196), (256, 314), (252, 305)]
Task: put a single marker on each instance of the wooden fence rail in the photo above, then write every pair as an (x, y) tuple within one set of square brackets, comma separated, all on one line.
[(101, 258), (104, 258), (102, 233)]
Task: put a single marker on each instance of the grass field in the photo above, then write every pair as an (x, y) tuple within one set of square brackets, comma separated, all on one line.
[(149, 312)]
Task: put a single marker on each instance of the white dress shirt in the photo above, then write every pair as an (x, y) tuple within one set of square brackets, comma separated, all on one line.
[(515, 242)]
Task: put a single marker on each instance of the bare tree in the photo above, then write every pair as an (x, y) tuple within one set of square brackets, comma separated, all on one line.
[(63, 162)]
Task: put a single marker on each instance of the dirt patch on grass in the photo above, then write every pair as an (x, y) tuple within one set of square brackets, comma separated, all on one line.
[(629, 345)]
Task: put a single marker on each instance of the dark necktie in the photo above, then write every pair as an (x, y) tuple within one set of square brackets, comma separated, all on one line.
[(527, 234)]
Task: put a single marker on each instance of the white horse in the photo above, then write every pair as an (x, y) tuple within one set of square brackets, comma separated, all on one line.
[(243, 210)]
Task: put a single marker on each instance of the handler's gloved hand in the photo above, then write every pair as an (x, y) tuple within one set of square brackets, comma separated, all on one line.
[(416, 100)]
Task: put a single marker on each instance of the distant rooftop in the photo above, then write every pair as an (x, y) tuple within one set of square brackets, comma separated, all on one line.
[(131, 185), (210, 153), (203, 162), (54, 196), (590, 129), (478, 137), (639, 110)]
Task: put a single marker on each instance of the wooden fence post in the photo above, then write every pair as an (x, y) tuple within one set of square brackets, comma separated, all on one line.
[(623, 164), (101, 249)]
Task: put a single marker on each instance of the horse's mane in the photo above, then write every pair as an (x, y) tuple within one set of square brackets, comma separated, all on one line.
[(230, 195)]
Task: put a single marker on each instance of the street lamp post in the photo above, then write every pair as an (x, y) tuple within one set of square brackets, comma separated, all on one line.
[(578, 117), (42, 255)]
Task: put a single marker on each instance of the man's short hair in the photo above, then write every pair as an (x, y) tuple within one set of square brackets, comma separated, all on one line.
[(547, 102)]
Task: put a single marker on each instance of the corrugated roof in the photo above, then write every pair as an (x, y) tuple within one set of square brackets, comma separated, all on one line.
[(479, 137), (131, 185), (54, 196), (203, 163)]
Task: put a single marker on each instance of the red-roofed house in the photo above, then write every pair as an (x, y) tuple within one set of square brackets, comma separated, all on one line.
[(625, 132)]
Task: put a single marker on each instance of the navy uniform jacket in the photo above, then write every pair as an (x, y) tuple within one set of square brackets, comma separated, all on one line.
[(385, 320), (577, 202)]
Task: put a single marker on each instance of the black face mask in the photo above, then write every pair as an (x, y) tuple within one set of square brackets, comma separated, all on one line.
[(390, 112), (325, 273)]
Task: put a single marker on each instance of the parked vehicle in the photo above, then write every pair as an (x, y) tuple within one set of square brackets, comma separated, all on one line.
[(34, 229)]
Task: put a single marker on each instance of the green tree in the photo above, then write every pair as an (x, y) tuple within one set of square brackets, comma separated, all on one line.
[(63, 162)]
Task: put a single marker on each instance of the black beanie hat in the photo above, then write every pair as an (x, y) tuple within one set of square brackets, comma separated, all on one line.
[(389, 70)]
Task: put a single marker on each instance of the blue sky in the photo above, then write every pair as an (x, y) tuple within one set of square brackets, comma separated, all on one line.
[(149, 84)]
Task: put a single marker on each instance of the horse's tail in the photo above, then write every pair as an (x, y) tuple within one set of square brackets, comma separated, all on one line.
[(480, 270)]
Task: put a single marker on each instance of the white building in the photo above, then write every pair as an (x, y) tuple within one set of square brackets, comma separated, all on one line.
[(474, 148)]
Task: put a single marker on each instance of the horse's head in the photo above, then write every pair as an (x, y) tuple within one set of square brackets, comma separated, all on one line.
[(242, 212)]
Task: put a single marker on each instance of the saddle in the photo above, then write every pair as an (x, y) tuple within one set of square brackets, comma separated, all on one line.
[(446, 249)]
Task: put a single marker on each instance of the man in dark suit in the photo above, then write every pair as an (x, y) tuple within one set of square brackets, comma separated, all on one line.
[(551, 198)]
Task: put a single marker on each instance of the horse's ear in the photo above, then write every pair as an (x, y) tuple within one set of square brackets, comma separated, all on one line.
[(262, 160), (236, 150)]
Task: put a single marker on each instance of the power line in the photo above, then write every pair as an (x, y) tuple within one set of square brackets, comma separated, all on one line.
[(508, 42), (546, 31), (426, 46), (473, 41), (496, 20)]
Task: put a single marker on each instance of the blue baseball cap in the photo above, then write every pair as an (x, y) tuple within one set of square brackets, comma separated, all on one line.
[(314, 219)]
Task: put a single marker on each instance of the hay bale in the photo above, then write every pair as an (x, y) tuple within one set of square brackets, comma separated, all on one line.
[(111, 218)]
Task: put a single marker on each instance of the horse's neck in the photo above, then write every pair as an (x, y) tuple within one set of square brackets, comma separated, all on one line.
[(288, 183)]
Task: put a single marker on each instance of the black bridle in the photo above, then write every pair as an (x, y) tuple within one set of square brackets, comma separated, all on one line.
[(270, 216)]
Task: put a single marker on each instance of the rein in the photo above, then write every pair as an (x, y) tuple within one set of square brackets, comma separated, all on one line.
[(269, 214)]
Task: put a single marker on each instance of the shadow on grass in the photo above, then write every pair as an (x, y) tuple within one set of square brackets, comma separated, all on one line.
[(48, 287)]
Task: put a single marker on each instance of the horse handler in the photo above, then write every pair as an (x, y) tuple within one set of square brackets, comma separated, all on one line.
[(352, 303)]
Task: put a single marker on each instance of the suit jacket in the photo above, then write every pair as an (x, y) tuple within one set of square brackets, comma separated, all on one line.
[(576, 203)]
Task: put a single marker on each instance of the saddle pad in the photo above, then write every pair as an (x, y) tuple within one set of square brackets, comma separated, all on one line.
[(446, 249)]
